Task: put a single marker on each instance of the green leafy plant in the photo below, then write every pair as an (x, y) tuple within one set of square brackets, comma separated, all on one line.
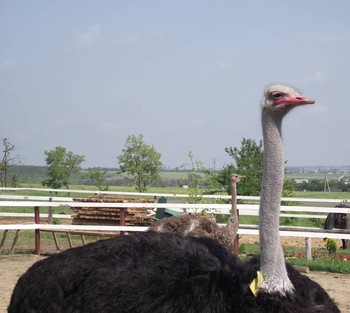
[(242, 249), (56, 221), (194, 180), (331, 246)]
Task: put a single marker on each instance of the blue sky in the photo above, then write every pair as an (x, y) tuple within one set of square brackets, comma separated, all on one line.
[(187, 75)]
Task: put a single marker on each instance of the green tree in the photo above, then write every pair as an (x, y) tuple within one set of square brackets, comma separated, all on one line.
[(221, 179), (248, 162), (194, 180), (141, 161), (62, 165), (97, 177), (8, 159)]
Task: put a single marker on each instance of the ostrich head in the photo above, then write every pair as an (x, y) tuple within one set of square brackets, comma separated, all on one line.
[(282, 98), (236, 178)]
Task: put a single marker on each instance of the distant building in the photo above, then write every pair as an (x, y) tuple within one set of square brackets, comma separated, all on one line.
[(301, 180), (345, 179)]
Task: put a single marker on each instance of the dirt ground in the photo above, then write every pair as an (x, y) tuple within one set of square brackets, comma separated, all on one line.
[(12, 266)]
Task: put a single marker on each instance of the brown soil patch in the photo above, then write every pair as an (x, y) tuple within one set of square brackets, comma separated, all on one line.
[(288, 241)]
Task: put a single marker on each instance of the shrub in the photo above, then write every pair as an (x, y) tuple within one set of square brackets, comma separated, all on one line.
[(331, 246), (242, 249)]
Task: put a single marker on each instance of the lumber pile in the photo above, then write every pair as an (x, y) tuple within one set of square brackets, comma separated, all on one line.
[(111, 216)]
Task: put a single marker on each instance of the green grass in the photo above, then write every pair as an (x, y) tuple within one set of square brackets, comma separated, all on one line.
[(173, 190), (43, 210), (66, 193), (25, 243), (311, 175), (332, 264), (322, 195), (337, 263)]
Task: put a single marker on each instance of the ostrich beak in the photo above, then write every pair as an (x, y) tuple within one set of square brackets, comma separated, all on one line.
[(294, 100)]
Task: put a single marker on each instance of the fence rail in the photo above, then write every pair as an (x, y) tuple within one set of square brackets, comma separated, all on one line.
[(311, 210)]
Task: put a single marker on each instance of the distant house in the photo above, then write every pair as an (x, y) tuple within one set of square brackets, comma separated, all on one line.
[(301, 180), (345, 179)]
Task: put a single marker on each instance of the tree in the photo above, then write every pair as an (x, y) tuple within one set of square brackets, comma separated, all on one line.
[(221, 179), (248, 162), (98, 178), (62, 164), (141, 161), (8, 159), (194, 180)]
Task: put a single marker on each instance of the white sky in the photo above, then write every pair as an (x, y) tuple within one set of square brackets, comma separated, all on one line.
[(186, 74)]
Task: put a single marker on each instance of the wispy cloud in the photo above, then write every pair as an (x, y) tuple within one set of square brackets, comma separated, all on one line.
[(326, 37), (7, 63), (223, 66), (319, 76), (199, 121), (110, 126), (159, 36), (315, 77), (125, 40), (133, 38), (321, 109), (64, 121), (88, 37)]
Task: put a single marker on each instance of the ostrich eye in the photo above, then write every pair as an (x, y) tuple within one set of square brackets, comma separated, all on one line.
[(276, 95)]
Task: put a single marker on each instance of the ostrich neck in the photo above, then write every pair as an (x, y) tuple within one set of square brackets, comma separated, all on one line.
[(272, 260)]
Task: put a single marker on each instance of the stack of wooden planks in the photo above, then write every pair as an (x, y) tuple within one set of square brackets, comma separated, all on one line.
[(111, 216)]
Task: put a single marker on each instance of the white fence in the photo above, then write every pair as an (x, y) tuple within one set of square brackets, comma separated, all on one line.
[(36, 202)]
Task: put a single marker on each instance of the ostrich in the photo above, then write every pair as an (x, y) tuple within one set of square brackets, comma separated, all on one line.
[(339, 220), (161, 272), (201, 226)]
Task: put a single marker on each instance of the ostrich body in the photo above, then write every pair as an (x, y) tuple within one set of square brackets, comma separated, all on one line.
[(339, 220), (201, 226), (167, 273)]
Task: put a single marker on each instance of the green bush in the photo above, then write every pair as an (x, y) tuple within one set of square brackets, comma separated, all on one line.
[(331, 246), (242, 249)]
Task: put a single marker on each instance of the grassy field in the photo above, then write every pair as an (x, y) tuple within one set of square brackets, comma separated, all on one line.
[(322, 195), (338, 262), (173, 190), (25, 243)]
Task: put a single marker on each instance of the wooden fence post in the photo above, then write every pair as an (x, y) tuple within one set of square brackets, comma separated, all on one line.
[(122, 219), (50, 211), (308, 248), (37, 231), (234, 224)]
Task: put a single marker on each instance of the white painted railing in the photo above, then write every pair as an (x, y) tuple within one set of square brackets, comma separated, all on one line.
[(14, 201)]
